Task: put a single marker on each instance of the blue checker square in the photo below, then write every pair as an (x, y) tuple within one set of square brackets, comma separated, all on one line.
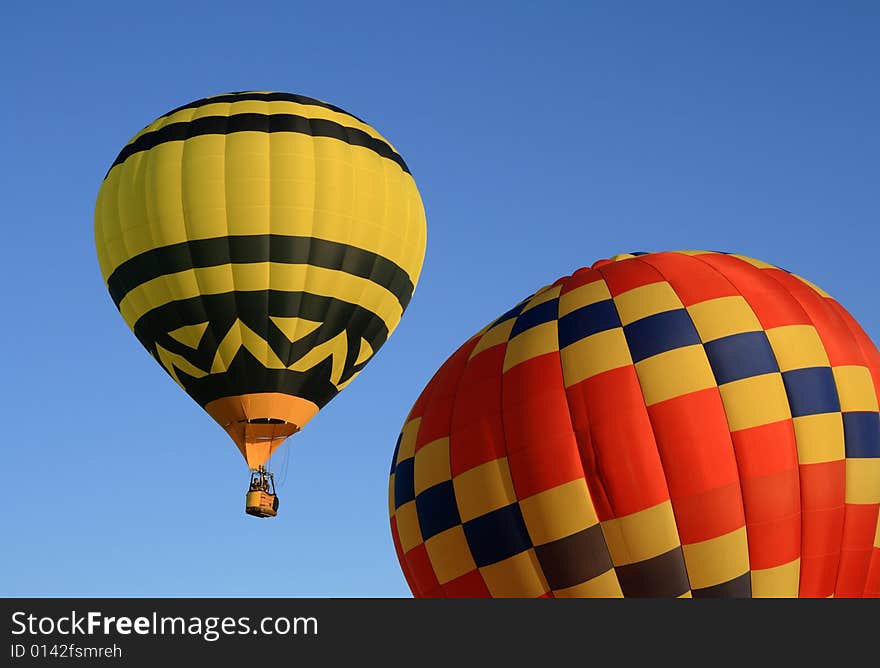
[(586, 321), (437, 509), (497, 535), (861, 430), (660, 332), (512, 313), (396, 450), (740, 356), (404, 482), (811, 391), (536, 316)]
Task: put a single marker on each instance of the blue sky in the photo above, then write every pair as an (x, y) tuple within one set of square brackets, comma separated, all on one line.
[(543, 136)]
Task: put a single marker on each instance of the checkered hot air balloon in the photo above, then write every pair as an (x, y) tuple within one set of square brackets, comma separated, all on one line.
[(262, 246), (680, 424)]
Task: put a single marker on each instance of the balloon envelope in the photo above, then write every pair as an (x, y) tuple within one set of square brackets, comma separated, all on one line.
[(262, 246), (680, 424)]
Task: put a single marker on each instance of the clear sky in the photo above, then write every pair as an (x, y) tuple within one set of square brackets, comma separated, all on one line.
[(543, 136)]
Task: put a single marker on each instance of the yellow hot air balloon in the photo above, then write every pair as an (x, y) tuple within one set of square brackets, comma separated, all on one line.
[(262, 246)]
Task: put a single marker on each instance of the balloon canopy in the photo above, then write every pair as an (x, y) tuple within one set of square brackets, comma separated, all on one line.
[(262, 246), (679, 424)]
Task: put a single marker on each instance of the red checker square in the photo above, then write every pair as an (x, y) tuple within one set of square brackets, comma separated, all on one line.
[(765, 449), (628, 274), (821, 531), (421, 570), (771, 496), (774, 542), (709, 514), (818, 575), (867, 347), (479, 442), (436, 421), (580, 278), (694, 441), (469, 585), (535, 406), (480, 389), (872, 581), (851, 573), (544, 464), (622, 437), (542, 372), (694, 281), (823, 485), (859, 526)]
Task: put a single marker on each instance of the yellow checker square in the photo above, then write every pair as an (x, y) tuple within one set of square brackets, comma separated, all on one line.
[(777, 582), (533, 342), (584, 295), (605, 585), (493, 337), (519, 576), (545, 294), (711, 562), (694, 252), (449, 554), (863, 480), (408, 439), (642, 535), (484, 488), (797, 347), (724, 316), (674, 373), (687, 594), (408, 526), (819, 438), (558, 512), (595, 354), (855, 388), (432, 465), (391, 496), (754, 401), (646, 300)]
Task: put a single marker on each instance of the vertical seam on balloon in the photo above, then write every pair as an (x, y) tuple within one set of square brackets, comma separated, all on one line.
[(516, 495), (578, 444), (732, 283), (268, 281), (654, 435), (833, 315), (185, 219), (228, 375), (349, 364), (464, 369), (646, 260), (153, 226), (860, 336), (427, 404)]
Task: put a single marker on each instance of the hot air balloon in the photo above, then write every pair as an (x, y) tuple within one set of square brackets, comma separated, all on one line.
[(677, 424), (262, 246)]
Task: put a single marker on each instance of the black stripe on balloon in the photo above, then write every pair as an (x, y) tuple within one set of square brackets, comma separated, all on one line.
[(663, 576), (265, 97), (224, 125), (247, 375), (254, 309), (739, 587), (245, 249)]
